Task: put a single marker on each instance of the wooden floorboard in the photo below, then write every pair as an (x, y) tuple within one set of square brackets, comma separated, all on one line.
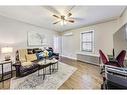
[(87, 76)]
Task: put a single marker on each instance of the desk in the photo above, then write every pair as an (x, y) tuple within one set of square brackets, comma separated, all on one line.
[(2, 63)]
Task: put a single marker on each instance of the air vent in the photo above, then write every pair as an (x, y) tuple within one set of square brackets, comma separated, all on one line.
[(68, 34)]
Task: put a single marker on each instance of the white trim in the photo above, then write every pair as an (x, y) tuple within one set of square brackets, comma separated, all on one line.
[(69, 57), (68, 34), (81, 39), (88, 54)]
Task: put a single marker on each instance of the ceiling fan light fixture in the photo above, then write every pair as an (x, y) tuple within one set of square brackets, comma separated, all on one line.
[(63, 22)]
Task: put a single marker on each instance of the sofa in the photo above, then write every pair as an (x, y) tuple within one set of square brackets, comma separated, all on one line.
[(26, 60)]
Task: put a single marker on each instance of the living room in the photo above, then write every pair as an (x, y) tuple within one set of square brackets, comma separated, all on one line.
[(66, 39)]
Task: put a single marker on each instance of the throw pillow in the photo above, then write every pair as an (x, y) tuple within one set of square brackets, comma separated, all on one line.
[(50, 53), (30, 51), (39, 55), (46, 53), (31, 57)]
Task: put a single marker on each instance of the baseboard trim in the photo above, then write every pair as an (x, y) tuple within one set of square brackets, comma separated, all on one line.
[(87, 62), (69, 57)]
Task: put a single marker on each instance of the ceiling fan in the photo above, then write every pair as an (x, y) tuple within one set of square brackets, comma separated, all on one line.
[(64, 19)]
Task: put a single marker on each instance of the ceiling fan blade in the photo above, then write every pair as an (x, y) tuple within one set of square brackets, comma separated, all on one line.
[(56, 16), (72, 21), (56, 22), (69, 14), (77, 18)]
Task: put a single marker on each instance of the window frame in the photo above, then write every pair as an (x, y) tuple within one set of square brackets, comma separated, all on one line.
[(92, 42)]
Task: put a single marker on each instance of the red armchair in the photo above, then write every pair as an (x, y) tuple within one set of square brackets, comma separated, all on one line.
[(105, 61), (120, 58)]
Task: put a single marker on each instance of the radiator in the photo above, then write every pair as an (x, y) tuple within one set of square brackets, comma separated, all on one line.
[(89, 58)]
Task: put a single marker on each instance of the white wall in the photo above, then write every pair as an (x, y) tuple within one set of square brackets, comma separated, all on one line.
[(14, 33), (103, 37)]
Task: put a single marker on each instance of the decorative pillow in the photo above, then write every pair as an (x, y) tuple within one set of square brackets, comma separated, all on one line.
[(30, 51), (50, 53), (37, 50), (26, 63), (31, 57), (46, 53), (39, 55)]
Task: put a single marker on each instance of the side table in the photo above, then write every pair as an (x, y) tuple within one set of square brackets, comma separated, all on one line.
[(2, 63)]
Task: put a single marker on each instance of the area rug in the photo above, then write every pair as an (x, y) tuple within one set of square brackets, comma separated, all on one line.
[(53, 81)]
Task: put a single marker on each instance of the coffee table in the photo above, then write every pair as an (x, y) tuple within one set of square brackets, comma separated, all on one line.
[(52, 64)]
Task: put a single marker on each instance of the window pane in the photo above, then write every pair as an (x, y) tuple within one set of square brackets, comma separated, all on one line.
[(87, 37), (87, 46), (87, 41)]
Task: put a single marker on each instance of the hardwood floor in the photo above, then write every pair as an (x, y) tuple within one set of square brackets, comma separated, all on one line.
[(87, 76)]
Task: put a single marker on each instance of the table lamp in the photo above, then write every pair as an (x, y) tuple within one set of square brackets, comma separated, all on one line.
[(7, 51)]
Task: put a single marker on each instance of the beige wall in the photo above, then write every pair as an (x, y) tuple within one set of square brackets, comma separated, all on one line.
[(120, 41), (122, 20), (103, 37), (14, 34), (119, 37)]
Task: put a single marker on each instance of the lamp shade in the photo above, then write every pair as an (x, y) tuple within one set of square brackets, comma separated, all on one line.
[(6, 50)]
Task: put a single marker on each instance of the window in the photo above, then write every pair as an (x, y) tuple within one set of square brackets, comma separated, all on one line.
[(87, 41), (56, 44)]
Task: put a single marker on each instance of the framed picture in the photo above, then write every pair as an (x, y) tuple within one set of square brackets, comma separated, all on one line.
[(36, 38)]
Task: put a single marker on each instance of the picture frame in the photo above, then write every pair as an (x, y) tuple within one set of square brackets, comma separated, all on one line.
[(35, 38)]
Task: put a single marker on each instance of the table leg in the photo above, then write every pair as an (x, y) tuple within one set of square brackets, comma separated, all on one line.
[(2, 77), (38, 71), (2, 74), (50, 69), (57, 66), (43, 73), (11, 71)]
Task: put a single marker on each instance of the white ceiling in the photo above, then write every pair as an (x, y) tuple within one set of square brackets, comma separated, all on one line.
[(42, 15)]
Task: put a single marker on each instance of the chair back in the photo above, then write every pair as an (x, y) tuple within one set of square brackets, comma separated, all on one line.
[(103, 57), (120, 58)]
